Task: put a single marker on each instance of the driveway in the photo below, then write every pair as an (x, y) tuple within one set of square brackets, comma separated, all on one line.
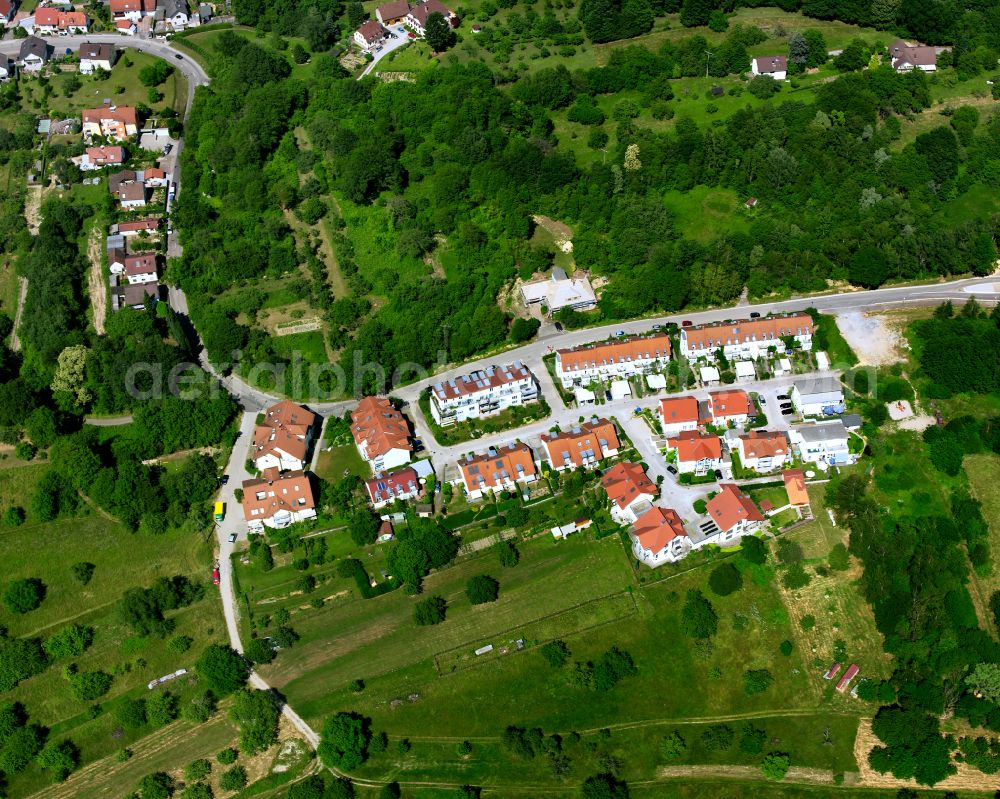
[(400, 40)]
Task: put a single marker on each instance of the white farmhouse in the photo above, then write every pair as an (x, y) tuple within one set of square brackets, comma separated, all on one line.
[(773, 66)]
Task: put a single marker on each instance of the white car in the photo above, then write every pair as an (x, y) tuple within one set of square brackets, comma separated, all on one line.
[(232, 538)]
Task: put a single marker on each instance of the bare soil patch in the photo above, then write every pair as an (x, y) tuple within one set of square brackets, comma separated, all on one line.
[(96, 285), (797, 774), (875, 338)]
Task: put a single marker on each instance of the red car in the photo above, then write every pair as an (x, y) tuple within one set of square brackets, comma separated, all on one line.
[(686, 323), (216, 578)]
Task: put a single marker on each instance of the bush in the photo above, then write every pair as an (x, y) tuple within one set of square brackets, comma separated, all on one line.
[(24, 596), (725, 579), (197, 770), (227, 756), (83, 572), (839, 558), (672, 746), (795, 577), (807, 622), (786, 648), (430, 611), (233, 780), (507, 554), (757, 681), (482, 589), (698, 618), (556, 653), (775, 766), (717, 737)]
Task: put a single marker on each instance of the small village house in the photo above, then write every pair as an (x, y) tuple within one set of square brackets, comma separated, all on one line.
[(132, 10), (132, 195), (421, 12), (773, 66), (763, 450), (678, 414), (732, 406), (391, 13), (386, 487), (34, 54), (50, 20), (282, 437), (100, 157), (140, 267), (906, 57), (118, 123), (582, 446)]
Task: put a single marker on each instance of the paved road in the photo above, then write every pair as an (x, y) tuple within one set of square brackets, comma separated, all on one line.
[(401, 40)]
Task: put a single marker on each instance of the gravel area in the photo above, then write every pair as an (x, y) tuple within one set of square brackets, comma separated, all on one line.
[(872, 338)]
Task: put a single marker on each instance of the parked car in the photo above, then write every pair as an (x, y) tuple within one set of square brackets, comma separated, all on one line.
[(178, 56), (671, 468), (168, 148), (718, 474), (232, 538), (787, 411), (783, 397), (754, 315), (620, 333), (656, 327), (216, 577), (785, 406), (224, 479), (607, 396), (763, 399), (559, 326), (686, 323)]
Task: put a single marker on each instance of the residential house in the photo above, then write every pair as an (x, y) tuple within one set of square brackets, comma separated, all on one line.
[(774, 66), (202, 16), (906, 57), (582, 446), (281, 439), (746, 338), (136, 227), (132, 195), (608, 360), (116, 260), (174, 13), (731, 406), (391, 13), (822, 442), (140, 267), (381, 434), (277, 500), (678, 414), (134, 295), (114, 122), (100, 157), (697, 453), (763, 450), (659, 537), (8, 8), (795, 487), (126, 26), (482, 393), (560, 291), (50, 20), (419, 14), (385, 488), (498, 469), (817, 396), (118, 179), (34, 54), (630, 491), (133, 10), (733, 512), (370, 35), (7, 67), (154, 177)]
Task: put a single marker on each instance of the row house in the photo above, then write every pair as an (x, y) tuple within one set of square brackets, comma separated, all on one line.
[(482, 393), (385, 488), (611, 360), (746, 338), (49, 21), (281, 440), (381, 434), (734, 513), (277, 500), (659, 537), (697, 453), (582, 446), (629, 490), (498, 469)]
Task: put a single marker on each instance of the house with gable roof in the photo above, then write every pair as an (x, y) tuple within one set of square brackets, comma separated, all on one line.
[(659, 537), (582, 446), (733, 512), (501, 468), (381, 434), (482, 393), (612, 360), (281, 440), (629, 490)]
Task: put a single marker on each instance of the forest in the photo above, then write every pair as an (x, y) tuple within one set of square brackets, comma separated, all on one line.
[(458, 163)]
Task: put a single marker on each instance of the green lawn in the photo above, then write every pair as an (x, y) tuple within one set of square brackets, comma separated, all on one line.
[(123, 560), (704, 211), (333, 464), (978, 200), (309, 346), (982, 471), (414, 57)]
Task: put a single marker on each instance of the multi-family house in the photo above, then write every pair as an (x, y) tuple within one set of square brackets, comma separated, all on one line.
[(610, 360), (731, 406), (50, 20), (629, 490), (659, 536), (114, 122), (733, 512), (822, 442), (100, 157), (281, 440), (482, 393), (582, 446), (696, 452), (762, 450), (277, 500), (746, 338), (386, 487), (502, 468), (132, 10), (381, 434), (817, 396), (678, 414)]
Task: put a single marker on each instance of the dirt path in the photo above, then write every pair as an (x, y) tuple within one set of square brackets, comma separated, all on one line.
[(796, 774), (15, 340), (33, 208), (95, 281)]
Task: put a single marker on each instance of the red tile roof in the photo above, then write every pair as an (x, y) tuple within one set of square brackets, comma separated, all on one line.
[(481, 380), (371, 31), (125, 6), (588, 440), (795, 485), (395, 10), (626, 482), (734, 402), (764, 443), (716, 335), (386, 487), (658, 527), (513, 462), (290, 492), (140, 263), (106, 155), (139, 224), (286, 427), (731, 506), (848, 675), (125, 114), (380, 426), (676, 410), (693, 446), (612, 352), (55, 18)]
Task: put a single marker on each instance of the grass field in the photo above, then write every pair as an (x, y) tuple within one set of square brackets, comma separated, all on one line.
[(123, 560), (982, 471), (335, 462), (704, 211), (309, 346)]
